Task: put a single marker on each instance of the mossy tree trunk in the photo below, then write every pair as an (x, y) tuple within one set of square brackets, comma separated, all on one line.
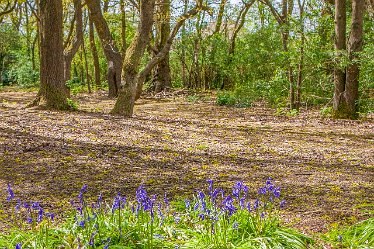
[(347, 79), (52, 83), (110, 49)]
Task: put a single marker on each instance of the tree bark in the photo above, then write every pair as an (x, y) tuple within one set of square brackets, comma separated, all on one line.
[(111, 51), (340, 48), (126, 96), (95, 55), (52, 84), (346, 85), (71, 51), (162, 75)]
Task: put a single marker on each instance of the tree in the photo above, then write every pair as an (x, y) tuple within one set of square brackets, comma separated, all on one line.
[(162, 77), (132, 79), (52, 84), (111, 51), (72, 47), (346, 80)]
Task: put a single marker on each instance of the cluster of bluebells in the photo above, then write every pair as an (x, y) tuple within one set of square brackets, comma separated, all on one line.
[(220, 205), (34, 211), (212, 206)]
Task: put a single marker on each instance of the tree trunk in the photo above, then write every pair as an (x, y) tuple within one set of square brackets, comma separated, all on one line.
[(52, 84), (301, 4), (126, 96), (347, 106), (95, 55), (71, 51), (340, 48), (111, 51), (163, 77)]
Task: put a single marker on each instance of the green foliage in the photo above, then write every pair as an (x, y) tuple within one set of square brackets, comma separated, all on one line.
[(238, 98), (210, 220), (72, 104), (22, 73), (358, 236), (326, 112)]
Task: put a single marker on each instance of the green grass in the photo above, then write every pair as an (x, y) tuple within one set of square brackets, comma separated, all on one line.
[(357, 236)]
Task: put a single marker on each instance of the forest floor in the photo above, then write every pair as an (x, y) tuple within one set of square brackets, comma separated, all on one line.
[(324, 167)]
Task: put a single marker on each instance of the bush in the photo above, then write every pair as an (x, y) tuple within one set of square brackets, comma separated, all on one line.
[(212, 218), (22, 73)]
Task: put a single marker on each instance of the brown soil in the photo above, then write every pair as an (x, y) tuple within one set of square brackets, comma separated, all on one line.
[(325, 167)]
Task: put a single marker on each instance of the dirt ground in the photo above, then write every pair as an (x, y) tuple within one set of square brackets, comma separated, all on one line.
[(324, 167)]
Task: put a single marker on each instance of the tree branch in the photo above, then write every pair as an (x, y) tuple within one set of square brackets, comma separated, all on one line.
[(162, 53)]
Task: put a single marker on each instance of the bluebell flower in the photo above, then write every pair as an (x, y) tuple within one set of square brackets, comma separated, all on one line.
[(40, 215), (262, 191), (242, 202), (235, 225), (229, 206), (196, 206), (248, 205), (29, 220), (82, 223), (35, 205), (166, 200), (177, 219), (19, 246), (10, 193), (256, 204), (202, 216), (51, 216), (340, 238), (159, 236), (237, 188), (282, 204), (26, 205), (19, 205), (210, 187), (262, 215), (92, 239), (187, 203), (276, 192), (107, 243)]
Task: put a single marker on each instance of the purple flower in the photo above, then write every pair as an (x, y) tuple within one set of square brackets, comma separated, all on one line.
[(10, 193), (51, 216), (35, 205), (159, 236), (29, 220), (187, 203), (18, 206), (19, 246), (107, 243), (276, 192), (229, 206), (40, 215), (235, 225), (210, 188), (282, 204), (92, 239), (256, 204), (262, 215), (340, 238), (26, 205), (262, 191), (249, 206), (242, 202), (196, 206), (82, 223), (166, 200), (237, 189), (202, 216)]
